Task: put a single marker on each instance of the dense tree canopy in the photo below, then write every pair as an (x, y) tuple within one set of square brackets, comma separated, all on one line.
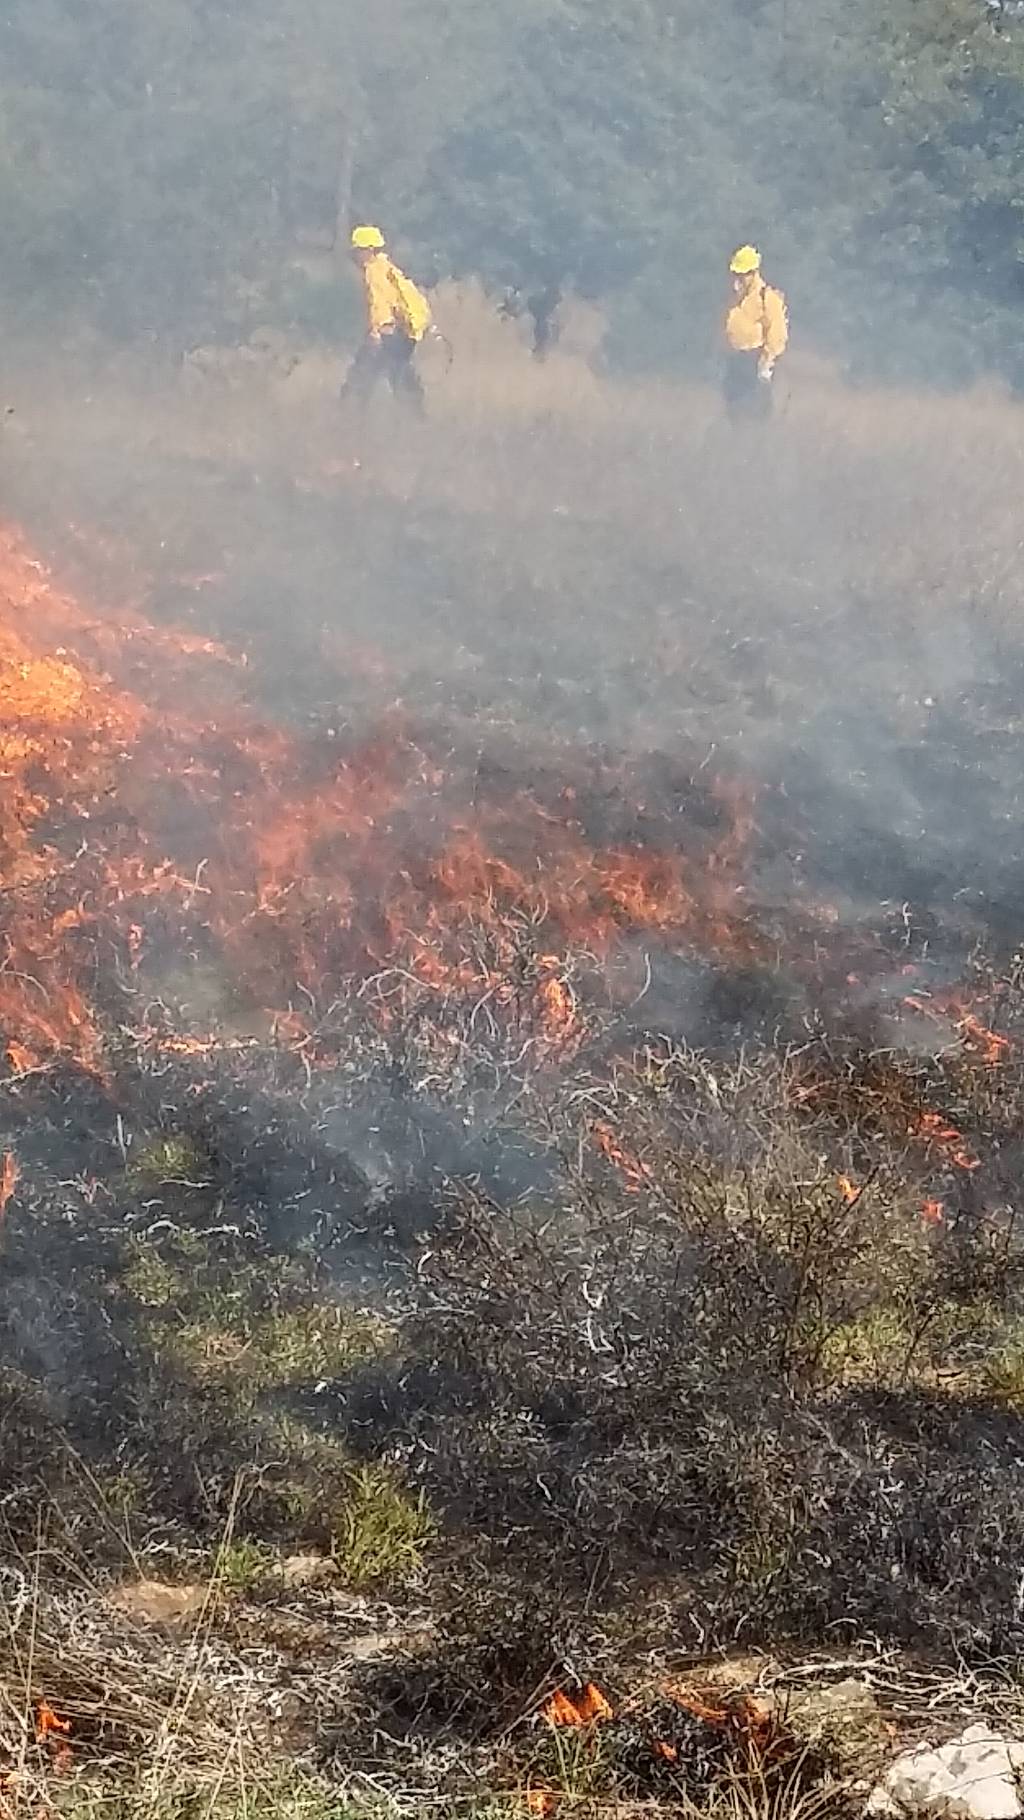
[(164, 158)]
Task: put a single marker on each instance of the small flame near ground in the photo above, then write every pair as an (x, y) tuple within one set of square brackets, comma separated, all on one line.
[(48, 1722), (932, 1211), (940, 1135), (586, 1708), (951, 1008), (634, 1173), (541, 1800), (52, 1732), (750, 1722)]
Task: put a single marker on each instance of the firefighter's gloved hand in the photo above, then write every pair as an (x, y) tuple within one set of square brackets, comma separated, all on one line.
[(765, 369)]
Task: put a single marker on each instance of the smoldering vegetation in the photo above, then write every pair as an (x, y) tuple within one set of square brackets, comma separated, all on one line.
[(720, 1378), (620, 1260)]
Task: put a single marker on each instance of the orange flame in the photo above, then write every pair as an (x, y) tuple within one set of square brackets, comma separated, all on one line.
[(994, 1049), (145, 810), (991, 1048), (750, 1719), (636, 1174), (48, 1723), (946, 1139), (560, 1710), (848, 1189), (590, 1707)]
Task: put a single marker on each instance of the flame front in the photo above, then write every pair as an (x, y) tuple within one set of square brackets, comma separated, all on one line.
[(146, 813)]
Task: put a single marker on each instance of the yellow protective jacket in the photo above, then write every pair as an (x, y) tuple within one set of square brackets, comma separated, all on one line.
[(757, 322), (393, 301)]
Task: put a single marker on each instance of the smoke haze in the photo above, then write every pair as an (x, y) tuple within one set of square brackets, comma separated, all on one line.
[(512, 921)]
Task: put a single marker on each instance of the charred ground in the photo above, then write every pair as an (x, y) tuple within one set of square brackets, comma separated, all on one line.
[(513, 1054)]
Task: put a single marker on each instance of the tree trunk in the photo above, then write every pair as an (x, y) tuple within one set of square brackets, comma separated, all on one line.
[(343, 184)]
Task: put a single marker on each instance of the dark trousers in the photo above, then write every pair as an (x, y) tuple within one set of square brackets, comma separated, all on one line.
[(745, 395), (391, 359)]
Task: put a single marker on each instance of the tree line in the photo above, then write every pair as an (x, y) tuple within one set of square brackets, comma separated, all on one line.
[(164, 161)]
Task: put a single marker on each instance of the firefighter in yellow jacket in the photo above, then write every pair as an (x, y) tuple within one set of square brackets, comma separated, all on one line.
[(756, 333), (397, 319)]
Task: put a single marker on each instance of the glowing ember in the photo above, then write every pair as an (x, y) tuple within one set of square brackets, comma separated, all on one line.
[(751, 1721), (848, 1189), (562, 1023), (692, 1703), (933, 1211), (541, 1800)]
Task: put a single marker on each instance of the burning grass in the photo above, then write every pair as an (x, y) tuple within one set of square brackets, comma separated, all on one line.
[(364, 1204), (289, 865)]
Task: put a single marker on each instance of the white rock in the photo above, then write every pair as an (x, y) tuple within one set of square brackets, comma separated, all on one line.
[(973, 1777)]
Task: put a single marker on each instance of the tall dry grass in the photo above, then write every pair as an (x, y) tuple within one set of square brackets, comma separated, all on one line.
[(856, 484)]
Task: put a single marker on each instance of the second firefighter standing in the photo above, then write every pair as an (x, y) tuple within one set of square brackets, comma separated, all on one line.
[(756, 334), (398, 318)]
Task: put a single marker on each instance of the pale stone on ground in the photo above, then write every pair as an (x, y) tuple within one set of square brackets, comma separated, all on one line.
[(973, 1777)]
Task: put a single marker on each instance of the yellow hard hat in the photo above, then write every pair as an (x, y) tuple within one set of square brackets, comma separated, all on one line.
[(367, 239), (745, 259)]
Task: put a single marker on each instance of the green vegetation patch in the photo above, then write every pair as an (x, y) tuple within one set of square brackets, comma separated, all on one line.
[(167, 1157), (288, 1347), (381, 1532)]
